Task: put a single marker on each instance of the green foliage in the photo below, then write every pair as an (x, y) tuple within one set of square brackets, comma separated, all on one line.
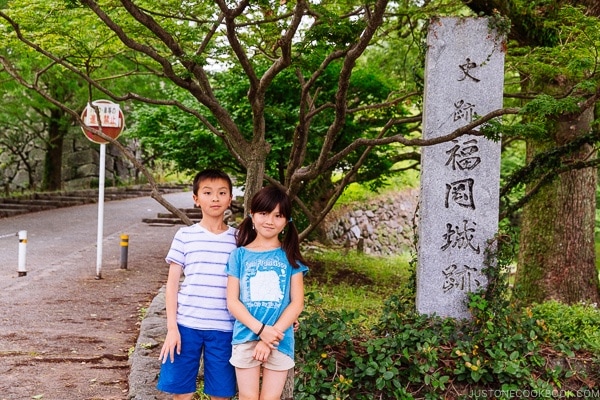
[(170, 134), (597, 242), (334, 30), (499, 23), (175, 135), (326, 337), (545, 106), (563, 71), (341, 354), (72, 34), (577, 325), (568, 56)]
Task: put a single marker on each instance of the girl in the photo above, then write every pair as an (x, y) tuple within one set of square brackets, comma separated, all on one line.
[(265, 294)]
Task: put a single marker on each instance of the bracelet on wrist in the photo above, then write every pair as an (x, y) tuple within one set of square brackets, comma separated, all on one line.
[(260, 330)]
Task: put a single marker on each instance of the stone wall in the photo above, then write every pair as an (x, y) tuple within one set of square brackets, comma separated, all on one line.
[(81, 161), (80, 166), (382, 226)]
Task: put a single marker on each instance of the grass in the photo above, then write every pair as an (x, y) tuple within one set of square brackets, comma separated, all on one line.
[(356, 192), (353, 281)]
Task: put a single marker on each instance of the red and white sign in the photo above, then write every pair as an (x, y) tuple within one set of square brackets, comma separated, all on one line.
[(112, 120)]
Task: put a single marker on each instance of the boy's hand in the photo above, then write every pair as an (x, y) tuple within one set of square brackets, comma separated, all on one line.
[(262, 351), (171, 345)]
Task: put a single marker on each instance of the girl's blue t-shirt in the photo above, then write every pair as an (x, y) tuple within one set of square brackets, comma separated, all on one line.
[(265, 280)]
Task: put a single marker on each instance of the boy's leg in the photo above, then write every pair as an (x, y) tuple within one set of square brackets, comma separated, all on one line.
[(219, 374), (248, 382), (188, 396), (179, 377)]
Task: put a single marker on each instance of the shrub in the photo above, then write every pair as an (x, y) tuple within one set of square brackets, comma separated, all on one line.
[(578, 325), (502, 352), (323, 347), (408, 355)]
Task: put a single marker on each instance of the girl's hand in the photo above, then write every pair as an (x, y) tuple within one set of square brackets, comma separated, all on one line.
[(271, 336), (262, 351), (171, 345)]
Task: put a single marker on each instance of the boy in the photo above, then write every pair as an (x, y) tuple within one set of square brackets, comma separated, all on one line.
[(198, 321)]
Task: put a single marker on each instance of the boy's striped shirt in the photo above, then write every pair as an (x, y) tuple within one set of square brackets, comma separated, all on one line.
[(203, 255)]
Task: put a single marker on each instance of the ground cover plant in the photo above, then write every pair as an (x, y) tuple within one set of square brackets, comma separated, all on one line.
[(369, 343)]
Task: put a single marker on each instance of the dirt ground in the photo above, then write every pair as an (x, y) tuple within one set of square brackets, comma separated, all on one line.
[(69, 338)]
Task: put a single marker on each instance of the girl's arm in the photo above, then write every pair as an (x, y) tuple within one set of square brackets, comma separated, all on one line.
[(173, 339), (293, 310), (241, 313)]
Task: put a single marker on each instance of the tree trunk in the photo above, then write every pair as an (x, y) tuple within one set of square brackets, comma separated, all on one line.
[(320, 191), (255, 173), (52, 179), (288, 389), (557, 257)]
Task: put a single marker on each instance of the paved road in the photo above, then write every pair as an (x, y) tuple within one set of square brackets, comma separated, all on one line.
[(54, 235), (45, 321)]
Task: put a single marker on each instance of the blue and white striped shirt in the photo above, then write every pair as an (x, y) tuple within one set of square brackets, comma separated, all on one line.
[(201, 301)]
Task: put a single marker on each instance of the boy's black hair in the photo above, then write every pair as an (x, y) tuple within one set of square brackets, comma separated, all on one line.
[(267, 199), (211, 174)]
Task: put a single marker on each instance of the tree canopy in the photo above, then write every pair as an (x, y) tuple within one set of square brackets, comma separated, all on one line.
[(283, 86), (309, 95)]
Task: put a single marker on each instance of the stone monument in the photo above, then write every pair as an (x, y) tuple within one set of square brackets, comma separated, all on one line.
[(458, 214)]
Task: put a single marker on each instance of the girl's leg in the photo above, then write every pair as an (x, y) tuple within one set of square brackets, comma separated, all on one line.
[(248, 381), (273, 383)]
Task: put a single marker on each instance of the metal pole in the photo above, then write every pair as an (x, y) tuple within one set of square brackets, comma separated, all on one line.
[(22, 253), (100, 210), (124, 250)]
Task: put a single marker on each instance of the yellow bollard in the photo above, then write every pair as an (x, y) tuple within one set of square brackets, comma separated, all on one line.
[(124, 250)]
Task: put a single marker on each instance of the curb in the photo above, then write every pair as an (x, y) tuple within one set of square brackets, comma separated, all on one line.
[(144, 363)]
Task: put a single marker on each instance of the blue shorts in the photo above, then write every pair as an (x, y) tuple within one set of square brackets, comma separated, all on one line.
[(180, 376)]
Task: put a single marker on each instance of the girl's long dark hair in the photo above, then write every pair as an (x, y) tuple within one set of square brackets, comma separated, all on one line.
[(266, 200)]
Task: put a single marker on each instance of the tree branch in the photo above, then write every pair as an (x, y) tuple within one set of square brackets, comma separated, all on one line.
[(130, 156), (374, 19), (311, 171)]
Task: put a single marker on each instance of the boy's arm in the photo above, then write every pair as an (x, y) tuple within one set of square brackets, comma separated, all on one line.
[(173, 339)]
